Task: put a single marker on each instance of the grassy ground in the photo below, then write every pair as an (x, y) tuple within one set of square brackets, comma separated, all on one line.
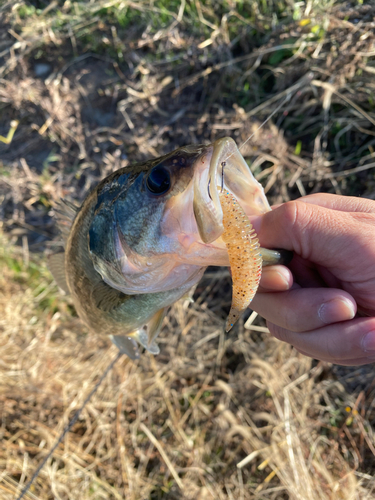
[(87, 87)]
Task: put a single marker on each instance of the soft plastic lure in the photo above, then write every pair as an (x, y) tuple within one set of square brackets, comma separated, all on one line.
[(244, 256)]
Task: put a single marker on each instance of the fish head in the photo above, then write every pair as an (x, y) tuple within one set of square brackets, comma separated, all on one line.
[(156, 226)]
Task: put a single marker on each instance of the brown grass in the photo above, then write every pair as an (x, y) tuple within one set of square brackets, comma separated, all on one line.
[(213, 416), (243, 417)]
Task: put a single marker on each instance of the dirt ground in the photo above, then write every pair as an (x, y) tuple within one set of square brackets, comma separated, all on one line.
[(88, 87)]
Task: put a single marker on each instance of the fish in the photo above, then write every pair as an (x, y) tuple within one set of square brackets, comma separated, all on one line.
[(143, 237)]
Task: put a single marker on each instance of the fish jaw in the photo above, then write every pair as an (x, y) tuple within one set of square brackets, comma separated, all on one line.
[(198, 231), (227, 170), (206, 206), (194, 218), (230, 171)]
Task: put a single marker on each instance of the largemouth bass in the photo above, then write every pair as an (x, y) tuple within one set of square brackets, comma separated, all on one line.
[(144, 236)]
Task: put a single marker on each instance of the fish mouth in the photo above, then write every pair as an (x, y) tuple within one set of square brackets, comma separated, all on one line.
[(229, 171)]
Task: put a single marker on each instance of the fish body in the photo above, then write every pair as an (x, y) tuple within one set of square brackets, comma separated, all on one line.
[(144, 236)]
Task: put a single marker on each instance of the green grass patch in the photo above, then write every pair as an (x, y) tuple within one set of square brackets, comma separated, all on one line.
[(33, 275)]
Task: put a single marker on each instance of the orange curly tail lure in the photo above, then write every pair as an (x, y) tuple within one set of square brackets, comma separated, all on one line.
[(244, 257)]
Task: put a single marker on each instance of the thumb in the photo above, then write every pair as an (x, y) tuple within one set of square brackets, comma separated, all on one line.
[(316, 233)]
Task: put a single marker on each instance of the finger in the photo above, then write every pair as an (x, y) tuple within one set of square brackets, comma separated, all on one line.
[(304, 309), (316, 233), (342, 203), (337, 343), (276, 278), (310, 275), (346, 362)]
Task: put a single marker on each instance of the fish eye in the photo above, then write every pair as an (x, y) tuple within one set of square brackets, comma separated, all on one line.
[(159, 180)]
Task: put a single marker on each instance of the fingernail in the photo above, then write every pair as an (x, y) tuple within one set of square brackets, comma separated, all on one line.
[(336, 310), (284, 277), (276, 278), (368, 342)]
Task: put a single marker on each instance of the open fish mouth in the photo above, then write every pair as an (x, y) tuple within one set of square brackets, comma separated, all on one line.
[(227, 170)]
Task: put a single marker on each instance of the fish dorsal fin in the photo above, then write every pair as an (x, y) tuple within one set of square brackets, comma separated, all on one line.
[(126, 345), (66, 212), (56, 264), (107, 298)]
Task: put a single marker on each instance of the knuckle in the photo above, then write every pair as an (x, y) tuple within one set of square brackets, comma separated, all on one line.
[(278, 332), (333, 350), (290, 212), (298, 217), (291, 321)]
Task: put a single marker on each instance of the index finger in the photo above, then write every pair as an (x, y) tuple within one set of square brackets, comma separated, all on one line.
[(342, 203), (316, 233)]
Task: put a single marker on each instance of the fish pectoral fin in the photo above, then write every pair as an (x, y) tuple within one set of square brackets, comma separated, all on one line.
[(107, 298), (188, 296), (154, 325), (142, 337), (126, 345), (145, 336), (56, 264)]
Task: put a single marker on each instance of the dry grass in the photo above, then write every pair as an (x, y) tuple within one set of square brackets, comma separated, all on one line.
[(211, 417), (242, 417)]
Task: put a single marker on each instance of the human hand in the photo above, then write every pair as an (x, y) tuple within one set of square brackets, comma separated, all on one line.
[(333, 239)]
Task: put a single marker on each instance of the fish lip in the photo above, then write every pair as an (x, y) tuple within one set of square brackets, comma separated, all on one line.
[(223, 149), (207, 207)]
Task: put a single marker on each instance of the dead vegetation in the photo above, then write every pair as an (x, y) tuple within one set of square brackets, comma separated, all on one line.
[(98, 85)]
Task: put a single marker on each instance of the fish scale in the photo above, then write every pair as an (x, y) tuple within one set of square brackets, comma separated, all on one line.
[(244, 256)]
